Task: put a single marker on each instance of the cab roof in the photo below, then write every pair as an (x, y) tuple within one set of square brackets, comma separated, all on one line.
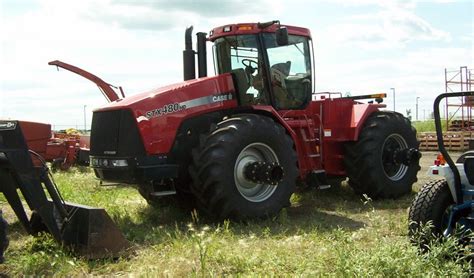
[(253, 28)]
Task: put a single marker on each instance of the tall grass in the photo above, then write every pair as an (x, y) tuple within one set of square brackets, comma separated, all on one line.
[(427, 126), (330, 232)]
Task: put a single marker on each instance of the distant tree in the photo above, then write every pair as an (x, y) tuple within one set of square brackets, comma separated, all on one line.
[(408, 112)]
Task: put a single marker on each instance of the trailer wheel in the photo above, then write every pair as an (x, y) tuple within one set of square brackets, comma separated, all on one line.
[(221, 186), (370, 162), (432, 206)]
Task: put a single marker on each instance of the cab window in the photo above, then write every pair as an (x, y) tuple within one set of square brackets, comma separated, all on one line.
[(290, 71)]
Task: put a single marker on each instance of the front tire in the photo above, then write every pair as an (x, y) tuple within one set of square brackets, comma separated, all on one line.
[(370, 162), (219, 184), (431, 205)]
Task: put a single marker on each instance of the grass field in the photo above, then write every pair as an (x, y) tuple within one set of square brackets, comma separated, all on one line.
[(324, 233), (427, 126)]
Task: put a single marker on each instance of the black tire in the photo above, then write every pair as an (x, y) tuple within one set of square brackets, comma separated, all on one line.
[(431, 205), (368, 161), (218, 184), (3, 237)]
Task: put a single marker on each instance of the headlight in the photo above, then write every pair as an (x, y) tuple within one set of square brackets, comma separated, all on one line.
[(101, 162), (94, 162), (119, 163)]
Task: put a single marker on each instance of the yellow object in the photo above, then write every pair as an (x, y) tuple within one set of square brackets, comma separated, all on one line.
[(381, 95), (244, 28), (72, 131)]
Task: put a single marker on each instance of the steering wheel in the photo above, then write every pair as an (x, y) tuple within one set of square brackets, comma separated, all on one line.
[(249, 69), (248, 64)]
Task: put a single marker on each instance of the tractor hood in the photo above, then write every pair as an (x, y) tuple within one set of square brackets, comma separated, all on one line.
[(159, 113), (187, 94)]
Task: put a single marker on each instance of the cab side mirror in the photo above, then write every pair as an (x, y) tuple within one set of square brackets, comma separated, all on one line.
[(282, 36)]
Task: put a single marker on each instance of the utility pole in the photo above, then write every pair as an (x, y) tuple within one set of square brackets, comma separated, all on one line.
[(393, 92), (85, 123), (417, 98)]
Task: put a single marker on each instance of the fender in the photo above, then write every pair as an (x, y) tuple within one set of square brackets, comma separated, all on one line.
[(446, 172), (360, 114), (271, 112), (343, 117)]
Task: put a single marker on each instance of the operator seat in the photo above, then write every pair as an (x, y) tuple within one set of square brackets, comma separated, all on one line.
[(284, 68), (279, 72), (241, 83)]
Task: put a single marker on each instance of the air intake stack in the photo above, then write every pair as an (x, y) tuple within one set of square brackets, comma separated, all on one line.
[(189, 63)]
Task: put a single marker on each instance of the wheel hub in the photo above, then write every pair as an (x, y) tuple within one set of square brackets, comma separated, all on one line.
[(394, 156), (258, 186), (263, 172)]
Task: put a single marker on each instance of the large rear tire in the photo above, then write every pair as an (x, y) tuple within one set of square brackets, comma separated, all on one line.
[(431, 205), (370, 162), (220, 187)]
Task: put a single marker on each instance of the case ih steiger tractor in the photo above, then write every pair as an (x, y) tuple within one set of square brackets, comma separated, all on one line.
[(236, 143)]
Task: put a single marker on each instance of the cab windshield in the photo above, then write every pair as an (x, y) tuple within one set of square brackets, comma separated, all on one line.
[(289, 75)]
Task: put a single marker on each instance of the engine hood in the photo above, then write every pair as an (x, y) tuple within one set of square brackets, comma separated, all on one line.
[(162, 94), (160, 112)]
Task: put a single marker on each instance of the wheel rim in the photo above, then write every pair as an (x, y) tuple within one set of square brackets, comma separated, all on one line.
[(254, 192), (393, 170)]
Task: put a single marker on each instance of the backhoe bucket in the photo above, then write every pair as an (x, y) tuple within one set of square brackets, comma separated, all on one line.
[(92, 233), (87, 230)]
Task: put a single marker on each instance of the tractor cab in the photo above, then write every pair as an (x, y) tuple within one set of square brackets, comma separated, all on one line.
[(270, 63)]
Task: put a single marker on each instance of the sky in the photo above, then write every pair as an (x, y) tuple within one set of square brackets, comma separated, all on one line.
[(361, 47)]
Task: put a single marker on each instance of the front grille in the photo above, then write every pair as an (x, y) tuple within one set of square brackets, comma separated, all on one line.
[(115, 133)]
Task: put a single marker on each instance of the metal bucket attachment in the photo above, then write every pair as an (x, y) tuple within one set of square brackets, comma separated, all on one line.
[(89, 231), (92, 233)]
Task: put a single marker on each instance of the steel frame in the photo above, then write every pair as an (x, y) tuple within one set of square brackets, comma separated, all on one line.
[(461, 80)]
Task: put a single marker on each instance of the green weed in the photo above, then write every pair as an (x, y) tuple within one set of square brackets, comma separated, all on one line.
[(324, 233)]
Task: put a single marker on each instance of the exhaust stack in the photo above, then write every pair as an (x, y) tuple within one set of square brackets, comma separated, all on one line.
[(201, 53), (189, 70), (189, 62)]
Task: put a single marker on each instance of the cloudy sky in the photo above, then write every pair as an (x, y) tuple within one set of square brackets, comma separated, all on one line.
[(361, 46)]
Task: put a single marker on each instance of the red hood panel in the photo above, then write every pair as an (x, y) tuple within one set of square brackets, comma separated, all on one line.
[(160, 112)]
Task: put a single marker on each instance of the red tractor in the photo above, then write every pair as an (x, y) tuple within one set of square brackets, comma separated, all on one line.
[(237, 143)]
